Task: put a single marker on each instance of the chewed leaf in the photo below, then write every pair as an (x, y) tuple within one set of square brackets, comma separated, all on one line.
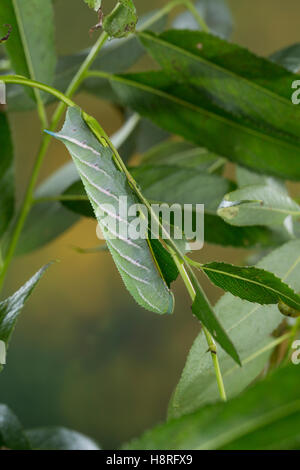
[(105, 185)]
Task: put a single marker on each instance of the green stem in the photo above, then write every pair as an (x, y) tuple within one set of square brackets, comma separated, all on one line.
[(65, 101), (210, 341)]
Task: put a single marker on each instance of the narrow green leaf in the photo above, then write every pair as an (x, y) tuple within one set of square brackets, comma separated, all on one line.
[(6, 175), (267, 416), (31, 46), (12, 435), (253, 89), (258, 205), (11, 307), (56, 438), (197, 384), (105, 184), (215, 13), (252, 284), (179, 109)]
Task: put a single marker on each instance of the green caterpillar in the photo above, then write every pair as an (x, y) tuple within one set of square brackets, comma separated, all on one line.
[(104, 184)]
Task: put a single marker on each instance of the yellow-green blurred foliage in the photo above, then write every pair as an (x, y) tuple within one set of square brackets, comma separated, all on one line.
[(84, 355)]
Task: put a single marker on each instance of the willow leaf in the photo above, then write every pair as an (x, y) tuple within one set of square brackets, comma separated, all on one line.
[(252, 284), (105, 184)]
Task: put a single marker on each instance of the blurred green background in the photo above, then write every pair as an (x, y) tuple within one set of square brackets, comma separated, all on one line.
[(84, 355)]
